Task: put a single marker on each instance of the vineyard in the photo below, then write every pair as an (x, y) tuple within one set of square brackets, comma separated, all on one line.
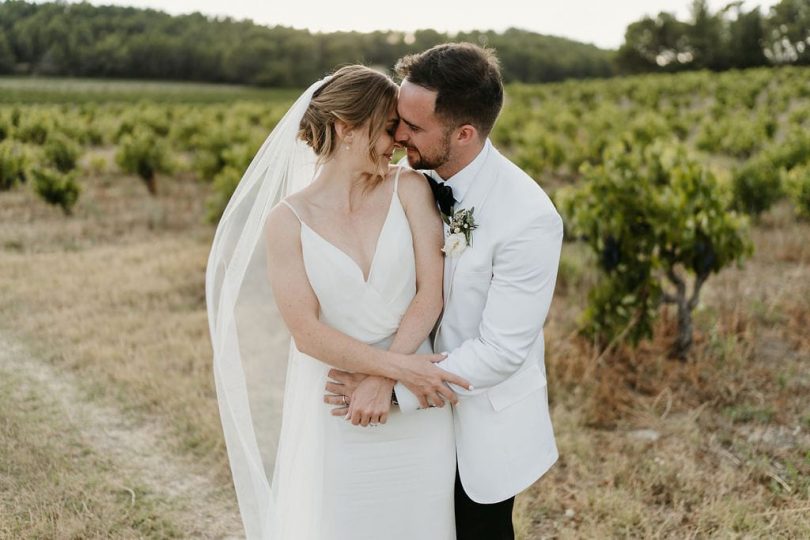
[(742, 138), (750, 128), (677, 354)]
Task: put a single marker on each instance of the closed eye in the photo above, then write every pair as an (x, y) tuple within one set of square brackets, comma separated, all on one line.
[(412, 127)]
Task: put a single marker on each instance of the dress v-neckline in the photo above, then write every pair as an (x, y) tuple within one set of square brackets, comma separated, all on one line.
[(365, 279)]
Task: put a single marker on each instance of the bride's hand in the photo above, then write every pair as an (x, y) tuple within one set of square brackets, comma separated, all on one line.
[(429, 382), (339, 388), (371, 402), (343, 383)]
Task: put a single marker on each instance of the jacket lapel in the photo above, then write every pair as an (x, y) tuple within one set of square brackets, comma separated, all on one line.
[(476, 197)]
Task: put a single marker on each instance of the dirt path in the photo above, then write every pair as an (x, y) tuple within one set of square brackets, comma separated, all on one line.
[(207, 511)]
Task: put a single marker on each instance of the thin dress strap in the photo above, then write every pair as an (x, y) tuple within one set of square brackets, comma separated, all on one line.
[(288, 205), (396, 178)]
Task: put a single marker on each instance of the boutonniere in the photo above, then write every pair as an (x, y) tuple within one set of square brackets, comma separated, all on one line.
[(459, 237)]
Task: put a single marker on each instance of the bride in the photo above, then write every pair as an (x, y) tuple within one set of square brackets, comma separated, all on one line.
[(348, 250)]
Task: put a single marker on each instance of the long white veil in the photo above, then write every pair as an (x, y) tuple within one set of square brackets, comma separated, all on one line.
[(251, 348)]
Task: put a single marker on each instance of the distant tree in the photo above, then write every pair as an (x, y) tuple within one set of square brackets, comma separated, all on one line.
[(788, 35), (341, 47), (6, 56), (705, 34), (659, 44), (108, 41), (746, 38), (729, 38)]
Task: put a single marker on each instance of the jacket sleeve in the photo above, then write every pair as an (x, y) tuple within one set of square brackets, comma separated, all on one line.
[(524, 272)]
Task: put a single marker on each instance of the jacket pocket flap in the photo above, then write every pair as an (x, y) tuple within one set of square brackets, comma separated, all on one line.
[(516, 387)]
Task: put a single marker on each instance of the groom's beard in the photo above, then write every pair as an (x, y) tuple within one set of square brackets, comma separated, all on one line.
[(426, 161)]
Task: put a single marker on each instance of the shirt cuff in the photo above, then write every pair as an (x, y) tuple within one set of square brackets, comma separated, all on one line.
[(406, 399)]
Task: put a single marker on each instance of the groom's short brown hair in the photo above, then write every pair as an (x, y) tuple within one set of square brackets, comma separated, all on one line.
[(467, 79)]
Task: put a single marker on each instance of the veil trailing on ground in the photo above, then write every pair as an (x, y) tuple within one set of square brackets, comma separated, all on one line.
[(252, 352)]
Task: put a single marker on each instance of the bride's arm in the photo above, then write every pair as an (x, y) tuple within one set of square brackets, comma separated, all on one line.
[(299, 308), (371, 400), (427, 233)]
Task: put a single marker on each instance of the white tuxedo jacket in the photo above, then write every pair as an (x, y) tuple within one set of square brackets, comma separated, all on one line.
[(496, 297)]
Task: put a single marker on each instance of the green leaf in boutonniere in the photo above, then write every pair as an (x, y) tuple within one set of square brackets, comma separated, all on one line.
[(459, 237)]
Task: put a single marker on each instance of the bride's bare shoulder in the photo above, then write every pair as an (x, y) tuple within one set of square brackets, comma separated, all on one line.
[(413, 184), (282, 223)]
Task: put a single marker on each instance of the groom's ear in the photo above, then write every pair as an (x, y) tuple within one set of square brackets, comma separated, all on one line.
[(467, 134)]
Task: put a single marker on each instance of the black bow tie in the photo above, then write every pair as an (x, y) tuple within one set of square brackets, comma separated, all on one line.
[(443, 195)]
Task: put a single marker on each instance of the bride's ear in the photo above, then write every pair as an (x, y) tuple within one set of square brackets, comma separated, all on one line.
[(343, 131)]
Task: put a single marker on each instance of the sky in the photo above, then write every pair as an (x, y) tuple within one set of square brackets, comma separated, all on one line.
[(600, 22)]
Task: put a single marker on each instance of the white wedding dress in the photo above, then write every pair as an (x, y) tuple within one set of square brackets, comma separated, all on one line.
[(393, 481)]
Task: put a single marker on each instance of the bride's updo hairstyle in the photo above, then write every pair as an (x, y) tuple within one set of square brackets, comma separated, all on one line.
[(355, 95)]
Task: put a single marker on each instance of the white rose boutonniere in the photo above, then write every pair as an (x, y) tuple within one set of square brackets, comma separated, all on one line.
[(459, 237), (454, 245)]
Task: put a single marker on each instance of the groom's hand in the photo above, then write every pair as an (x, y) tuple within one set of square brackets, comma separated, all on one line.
[(428, 382)]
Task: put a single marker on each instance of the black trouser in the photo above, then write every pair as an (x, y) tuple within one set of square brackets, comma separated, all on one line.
[(476, 521)]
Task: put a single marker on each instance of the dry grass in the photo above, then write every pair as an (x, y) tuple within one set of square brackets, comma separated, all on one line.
[(55, 485), (119, 299), (114, 297), (717, 446)]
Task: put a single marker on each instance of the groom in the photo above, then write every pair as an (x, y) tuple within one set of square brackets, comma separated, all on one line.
[(499, 279)]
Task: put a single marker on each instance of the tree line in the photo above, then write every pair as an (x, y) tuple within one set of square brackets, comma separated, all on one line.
[(82, 40), (729, 38)]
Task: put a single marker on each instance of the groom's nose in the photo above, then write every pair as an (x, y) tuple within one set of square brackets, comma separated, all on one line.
[(401, 133)]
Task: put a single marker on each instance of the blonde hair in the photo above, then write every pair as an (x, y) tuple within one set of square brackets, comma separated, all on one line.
[(355, 95)]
